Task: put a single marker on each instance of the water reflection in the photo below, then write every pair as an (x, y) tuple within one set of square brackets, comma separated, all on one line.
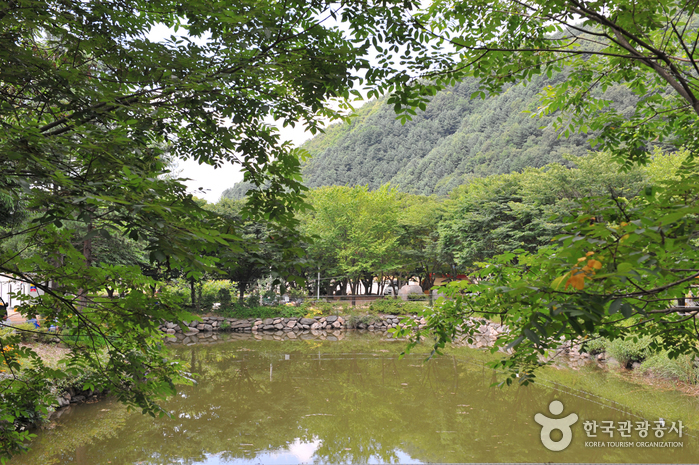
[(350, 401)]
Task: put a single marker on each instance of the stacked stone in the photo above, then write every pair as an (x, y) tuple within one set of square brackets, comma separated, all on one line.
[(298, 324), (211, 324), (75, 395), (485, 334)]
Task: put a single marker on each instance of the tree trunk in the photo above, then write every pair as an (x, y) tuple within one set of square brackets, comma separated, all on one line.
[(368, 284), (241, 291), (87, 254), (192, 292)]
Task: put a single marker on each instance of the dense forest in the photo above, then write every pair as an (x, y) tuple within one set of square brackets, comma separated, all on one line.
[(455, 139), (362, 236)]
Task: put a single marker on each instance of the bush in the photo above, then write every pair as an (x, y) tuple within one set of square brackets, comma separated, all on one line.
[(627, 351), (253, 300), (212, 292), (595, 346), (224, 297), (354, 320), (70, 338), (241, 311), (392, 306), (297, 293), (318, 307), (682, 368), (28, 332)]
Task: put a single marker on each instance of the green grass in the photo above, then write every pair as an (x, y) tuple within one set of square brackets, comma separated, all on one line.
[(682, 368)]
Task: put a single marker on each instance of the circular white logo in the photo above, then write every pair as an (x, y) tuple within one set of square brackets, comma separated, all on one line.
[(561, 424)]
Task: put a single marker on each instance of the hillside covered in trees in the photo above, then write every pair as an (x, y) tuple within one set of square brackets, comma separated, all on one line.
[(456, 138)]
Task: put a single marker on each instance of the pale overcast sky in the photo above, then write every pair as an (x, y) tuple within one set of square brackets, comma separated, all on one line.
[(215, 181)]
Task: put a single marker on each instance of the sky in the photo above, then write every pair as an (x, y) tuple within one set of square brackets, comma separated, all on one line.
[(205, 181), (215, 181)]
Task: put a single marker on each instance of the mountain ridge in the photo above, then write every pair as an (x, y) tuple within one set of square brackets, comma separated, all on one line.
[(453, 140)]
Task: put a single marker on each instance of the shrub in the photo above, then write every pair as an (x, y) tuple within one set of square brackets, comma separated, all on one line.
[(291, 311), (212, 292), (28, 332), (253, 300), (682, 368), (595, 346), (224, 297), (395, 307), (241, 311), (354, 320), (78, 339), (297, 293), (317, 307), (627, 351)]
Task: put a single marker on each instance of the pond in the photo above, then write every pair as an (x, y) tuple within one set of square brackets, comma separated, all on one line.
[(355, 401)]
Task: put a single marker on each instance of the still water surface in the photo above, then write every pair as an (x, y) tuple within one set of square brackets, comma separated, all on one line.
[(355, 401)]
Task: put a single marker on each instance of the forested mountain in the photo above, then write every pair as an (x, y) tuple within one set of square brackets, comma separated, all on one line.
[(454, 139)]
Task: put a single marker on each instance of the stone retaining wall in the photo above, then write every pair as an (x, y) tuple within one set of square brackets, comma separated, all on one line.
[(217, 323)]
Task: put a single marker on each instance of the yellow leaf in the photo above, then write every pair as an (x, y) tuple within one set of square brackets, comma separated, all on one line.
[(589, 253), (558, 281), (597, 265), (577, 281)]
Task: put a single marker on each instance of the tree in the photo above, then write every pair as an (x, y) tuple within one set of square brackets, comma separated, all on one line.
[(616, 270), (265, 249), (418, 226), (649, 48), (91, 110), (498, 214), (354, 234)]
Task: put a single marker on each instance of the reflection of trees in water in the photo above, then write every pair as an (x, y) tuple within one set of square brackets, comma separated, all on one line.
[(358, 405)]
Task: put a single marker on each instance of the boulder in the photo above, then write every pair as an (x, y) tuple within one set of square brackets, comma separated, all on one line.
[(408, 289), (331, 319), (307, 321)]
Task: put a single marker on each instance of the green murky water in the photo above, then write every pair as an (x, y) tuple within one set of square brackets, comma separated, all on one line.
[(354, 401)]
